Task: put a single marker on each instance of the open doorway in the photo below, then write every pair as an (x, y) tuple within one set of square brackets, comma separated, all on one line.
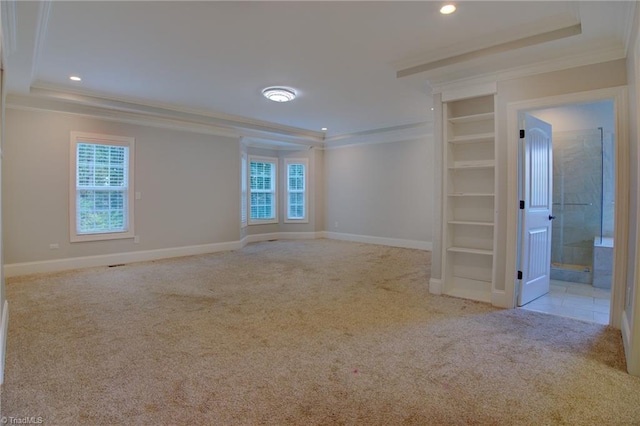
[(582, 243)]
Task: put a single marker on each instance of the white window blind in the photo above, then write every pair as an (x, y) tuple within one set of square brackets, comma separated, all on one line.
[(262, 187), (296, 190), (101, 178)]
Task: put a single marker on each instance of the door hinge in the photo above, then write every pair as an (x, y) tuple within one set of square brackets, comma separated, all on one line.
[(519, 275), (521, 204), (521, 134)]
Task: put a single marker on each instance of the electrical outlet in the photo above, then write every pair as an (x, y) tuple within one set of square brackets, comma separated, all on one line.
[(138, 195), (136, 240), (54, 246), (335, 225)]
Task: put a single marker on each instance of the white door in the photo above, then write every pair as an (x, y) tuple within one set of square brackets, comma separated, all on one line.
[(537, 175)]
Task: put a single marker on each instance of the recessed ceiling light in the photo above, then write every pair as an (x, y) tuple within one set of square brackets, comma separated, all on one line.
[(431, 108), (75, 78), (324, 129), (447, 9), (279, 94)]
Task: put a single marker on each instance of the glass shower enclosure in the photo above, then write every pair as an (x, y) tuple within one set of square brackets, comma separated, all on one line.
[(583, 203)]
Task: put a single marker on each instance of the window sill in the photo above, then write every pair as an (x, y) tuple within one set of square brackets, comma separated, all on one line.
[(102, 237)]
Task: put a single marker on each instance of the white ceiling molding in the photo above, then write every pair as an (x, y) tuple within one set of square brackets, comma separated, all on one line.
[(30, 103), (44, 13), (241, 125), (8, 12), (628, 25), (494, 50), (589, 58), (388, 135)]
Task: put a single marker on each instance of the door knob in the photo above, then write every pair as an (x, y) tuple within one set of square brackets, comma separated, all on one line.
[(551, 217)]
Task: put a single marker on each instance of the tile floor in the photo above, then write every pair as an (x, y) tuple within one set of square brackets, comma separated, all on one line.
[(574, 300)]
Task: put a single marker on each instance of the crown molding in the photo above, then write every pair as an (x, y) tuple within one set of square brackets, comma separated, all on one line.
[(629, 24), (508, 46), (377, 136), (158, 109), (587, 58), (44, 12), (267, 134), (30, 103), (9, 24)]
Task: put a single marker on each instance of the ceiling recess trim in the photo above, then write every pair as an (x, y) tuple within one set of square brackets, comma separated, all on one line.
[(492, 50)]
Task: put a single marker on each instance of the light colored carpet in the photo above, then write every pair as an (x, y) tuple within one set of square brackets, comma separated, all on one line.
[(298, 332)]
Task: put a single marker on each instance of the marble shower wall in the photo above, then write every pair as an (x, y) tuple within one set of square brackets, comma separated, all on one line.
[(579, 180)]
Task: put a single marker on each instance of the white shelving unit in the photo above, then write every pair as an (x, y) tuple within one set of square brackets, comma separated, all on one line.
[(469, 242)]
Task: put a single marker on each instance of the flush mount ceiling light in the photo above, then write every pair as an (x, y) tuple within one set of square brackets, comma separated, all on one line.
[(75, 78), (447, 9), (279, 94)]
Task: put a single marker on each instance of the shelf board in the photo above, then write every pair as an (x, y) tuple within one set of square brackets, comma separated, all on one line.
[(477, 164), (478, 137), (469, 222), (472, 194), (471, 251), (472, 118)]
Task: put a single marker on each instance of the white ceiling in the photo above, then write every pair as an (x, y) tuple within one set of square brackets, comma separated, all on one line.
[(341, 57)]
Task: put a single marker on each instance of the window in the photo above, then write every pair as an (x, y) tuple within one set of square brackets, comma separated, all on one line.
[(101, 202), (296, 190), (263, 195), (243, 190)]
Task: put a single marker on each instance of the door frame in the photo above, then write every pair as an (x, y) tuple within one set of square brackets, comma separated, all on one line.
[(621, 227)]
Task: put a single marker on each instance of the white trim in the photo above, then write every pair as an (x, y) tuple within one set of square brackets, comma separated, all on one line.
[(305, 163), (9, 25), (619, 97), (469, 91), (16, 269), (394, 242), (385, 135), (256, 238), (4, 325), (93, 138), (435, 286), (244, 192), (44, 12), (626, 342), (276, 184), (101, 102), (499, 299), (594, 56)]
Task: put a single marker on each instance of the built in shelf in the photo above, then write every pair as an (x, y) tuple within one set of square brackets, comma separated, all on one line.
[(474, 138), (472, 118), (470, 251), (469, 222), (476, 164)]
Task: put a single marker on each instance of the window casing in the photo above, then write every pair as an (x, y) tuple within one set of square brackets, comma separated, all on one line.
[(243, 190), (101, 187), (263, 190), (297, 194)]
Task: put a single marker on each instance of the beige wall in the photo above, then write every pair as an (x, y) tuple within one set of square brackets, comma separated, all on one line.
[(381, 190), (190, 191), (575, 80)]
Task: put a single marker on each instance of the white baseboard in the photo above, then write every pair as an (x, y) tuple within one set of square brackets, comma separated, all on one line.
[(394, 242), (633, 366), (435, 286), (499, 300), (4, 326), (15, 269), (25, 268), (281, 236)]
